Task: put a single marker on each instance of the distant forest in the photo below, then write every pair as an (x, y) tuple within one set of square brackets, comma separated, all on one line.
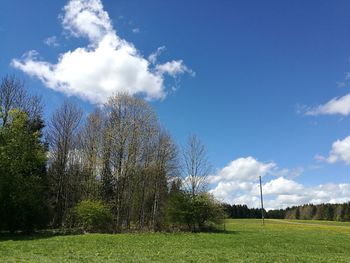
[(333, 212)]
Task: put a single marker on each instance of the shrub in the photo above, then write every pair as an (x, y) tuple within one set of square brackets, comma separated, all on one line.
[(207, 211), (93, 216), (200, 212)]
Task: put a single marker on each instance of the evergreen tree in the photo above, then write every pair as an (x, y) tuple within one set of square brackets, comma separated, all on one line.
[(22, 174)]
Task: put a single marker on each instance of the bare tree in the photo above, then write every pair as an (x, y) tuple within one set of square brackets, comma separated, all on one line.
[(195, 165), (90, 144), (64, 158), (14, 96), (166, 167), (130, 126)]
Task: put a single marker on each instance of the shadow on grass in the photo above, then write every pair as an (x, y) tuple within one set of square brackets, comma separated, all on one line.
[(22, 236), (45, 234), (42, 234)]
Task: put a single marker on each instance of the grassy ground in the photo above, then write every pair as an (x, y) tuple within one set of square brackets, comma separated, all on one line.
[(320, 222), (245, 241)]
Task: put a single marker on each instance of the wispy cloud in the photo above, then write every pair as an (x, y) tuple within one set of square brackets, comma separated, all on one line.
[(154, 56), (109, 64), (338, 105), (51, 41)]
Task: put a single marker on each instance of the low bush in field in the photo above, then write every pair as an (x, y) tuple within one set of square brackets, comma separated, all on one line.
[(91, 216), (196, 213)]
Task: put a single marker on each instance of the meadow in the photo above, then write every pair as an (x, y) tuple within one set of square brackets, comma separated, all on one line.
[(245, 240)]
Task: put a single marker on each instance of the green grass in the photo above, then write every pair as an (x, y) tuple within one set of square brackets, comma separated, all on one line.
[(245, 241), (321, 222)]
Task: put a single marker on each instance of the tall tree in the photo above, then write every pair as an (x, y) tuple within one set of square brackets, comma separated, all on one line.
[(65, 158), (196, 167), (90, 145), (22, 175), (130, 126), (165, 170)]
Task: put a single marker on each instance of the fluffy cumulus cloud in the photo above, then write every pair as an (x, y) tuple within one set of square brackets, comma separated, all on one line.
[(340, 152), (340, 105), (243, 169), (282, 186), (108, 64), (237, 183)]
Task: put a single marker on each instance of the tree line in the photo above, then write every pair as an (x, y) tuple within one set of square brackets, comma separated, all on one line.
[(116, 167), (332, 212), (241, 211)]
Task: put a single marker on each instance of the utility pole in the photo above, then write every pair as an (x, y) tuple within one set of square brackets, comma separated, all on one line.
[(262, 202)]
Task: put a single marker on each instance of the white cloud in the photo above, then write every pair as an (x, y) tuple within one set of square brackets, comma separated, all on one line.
[(282, 186), (154, 56), (330, 193), (245, 169), (284, 201), (107, 65), (87, 19), (51, 41), (338, 105), (237, 183), (340, 151), (239, 180), (173, 68)]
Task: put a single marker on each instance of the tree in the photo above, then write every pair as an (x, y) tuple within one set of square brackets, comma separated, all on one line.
[(196, 167), (191, 204), (22, 175), (90, 145), (179, 208), (165, 168), (65, 158), (197, 213), (14, 96)]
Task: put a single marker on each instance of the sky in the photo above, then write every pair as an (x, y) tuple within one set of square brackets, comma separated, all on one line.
[(264, 84)]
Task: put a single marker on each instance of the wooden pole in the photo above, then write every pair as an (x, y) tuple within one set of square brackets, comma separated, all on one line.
[(262, 202)]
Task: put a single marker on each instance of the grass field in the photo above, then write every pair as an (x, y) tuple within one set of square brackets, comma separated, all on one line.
[(245, 241)]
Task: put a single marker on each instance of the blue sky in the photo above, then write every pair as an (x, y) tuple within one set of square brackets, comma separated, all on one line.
[(254, 79)]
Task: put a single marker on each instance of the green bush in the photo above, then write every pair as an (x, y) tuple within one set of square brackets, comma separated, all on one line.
[(197, 213), (93, 216), (207, 211)]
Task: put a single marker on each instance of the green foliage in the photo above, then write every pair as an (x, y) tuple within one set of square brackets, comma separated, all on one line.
[(93, 216), (179, 209), (207, 211), (22, 175), (198, 212)]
